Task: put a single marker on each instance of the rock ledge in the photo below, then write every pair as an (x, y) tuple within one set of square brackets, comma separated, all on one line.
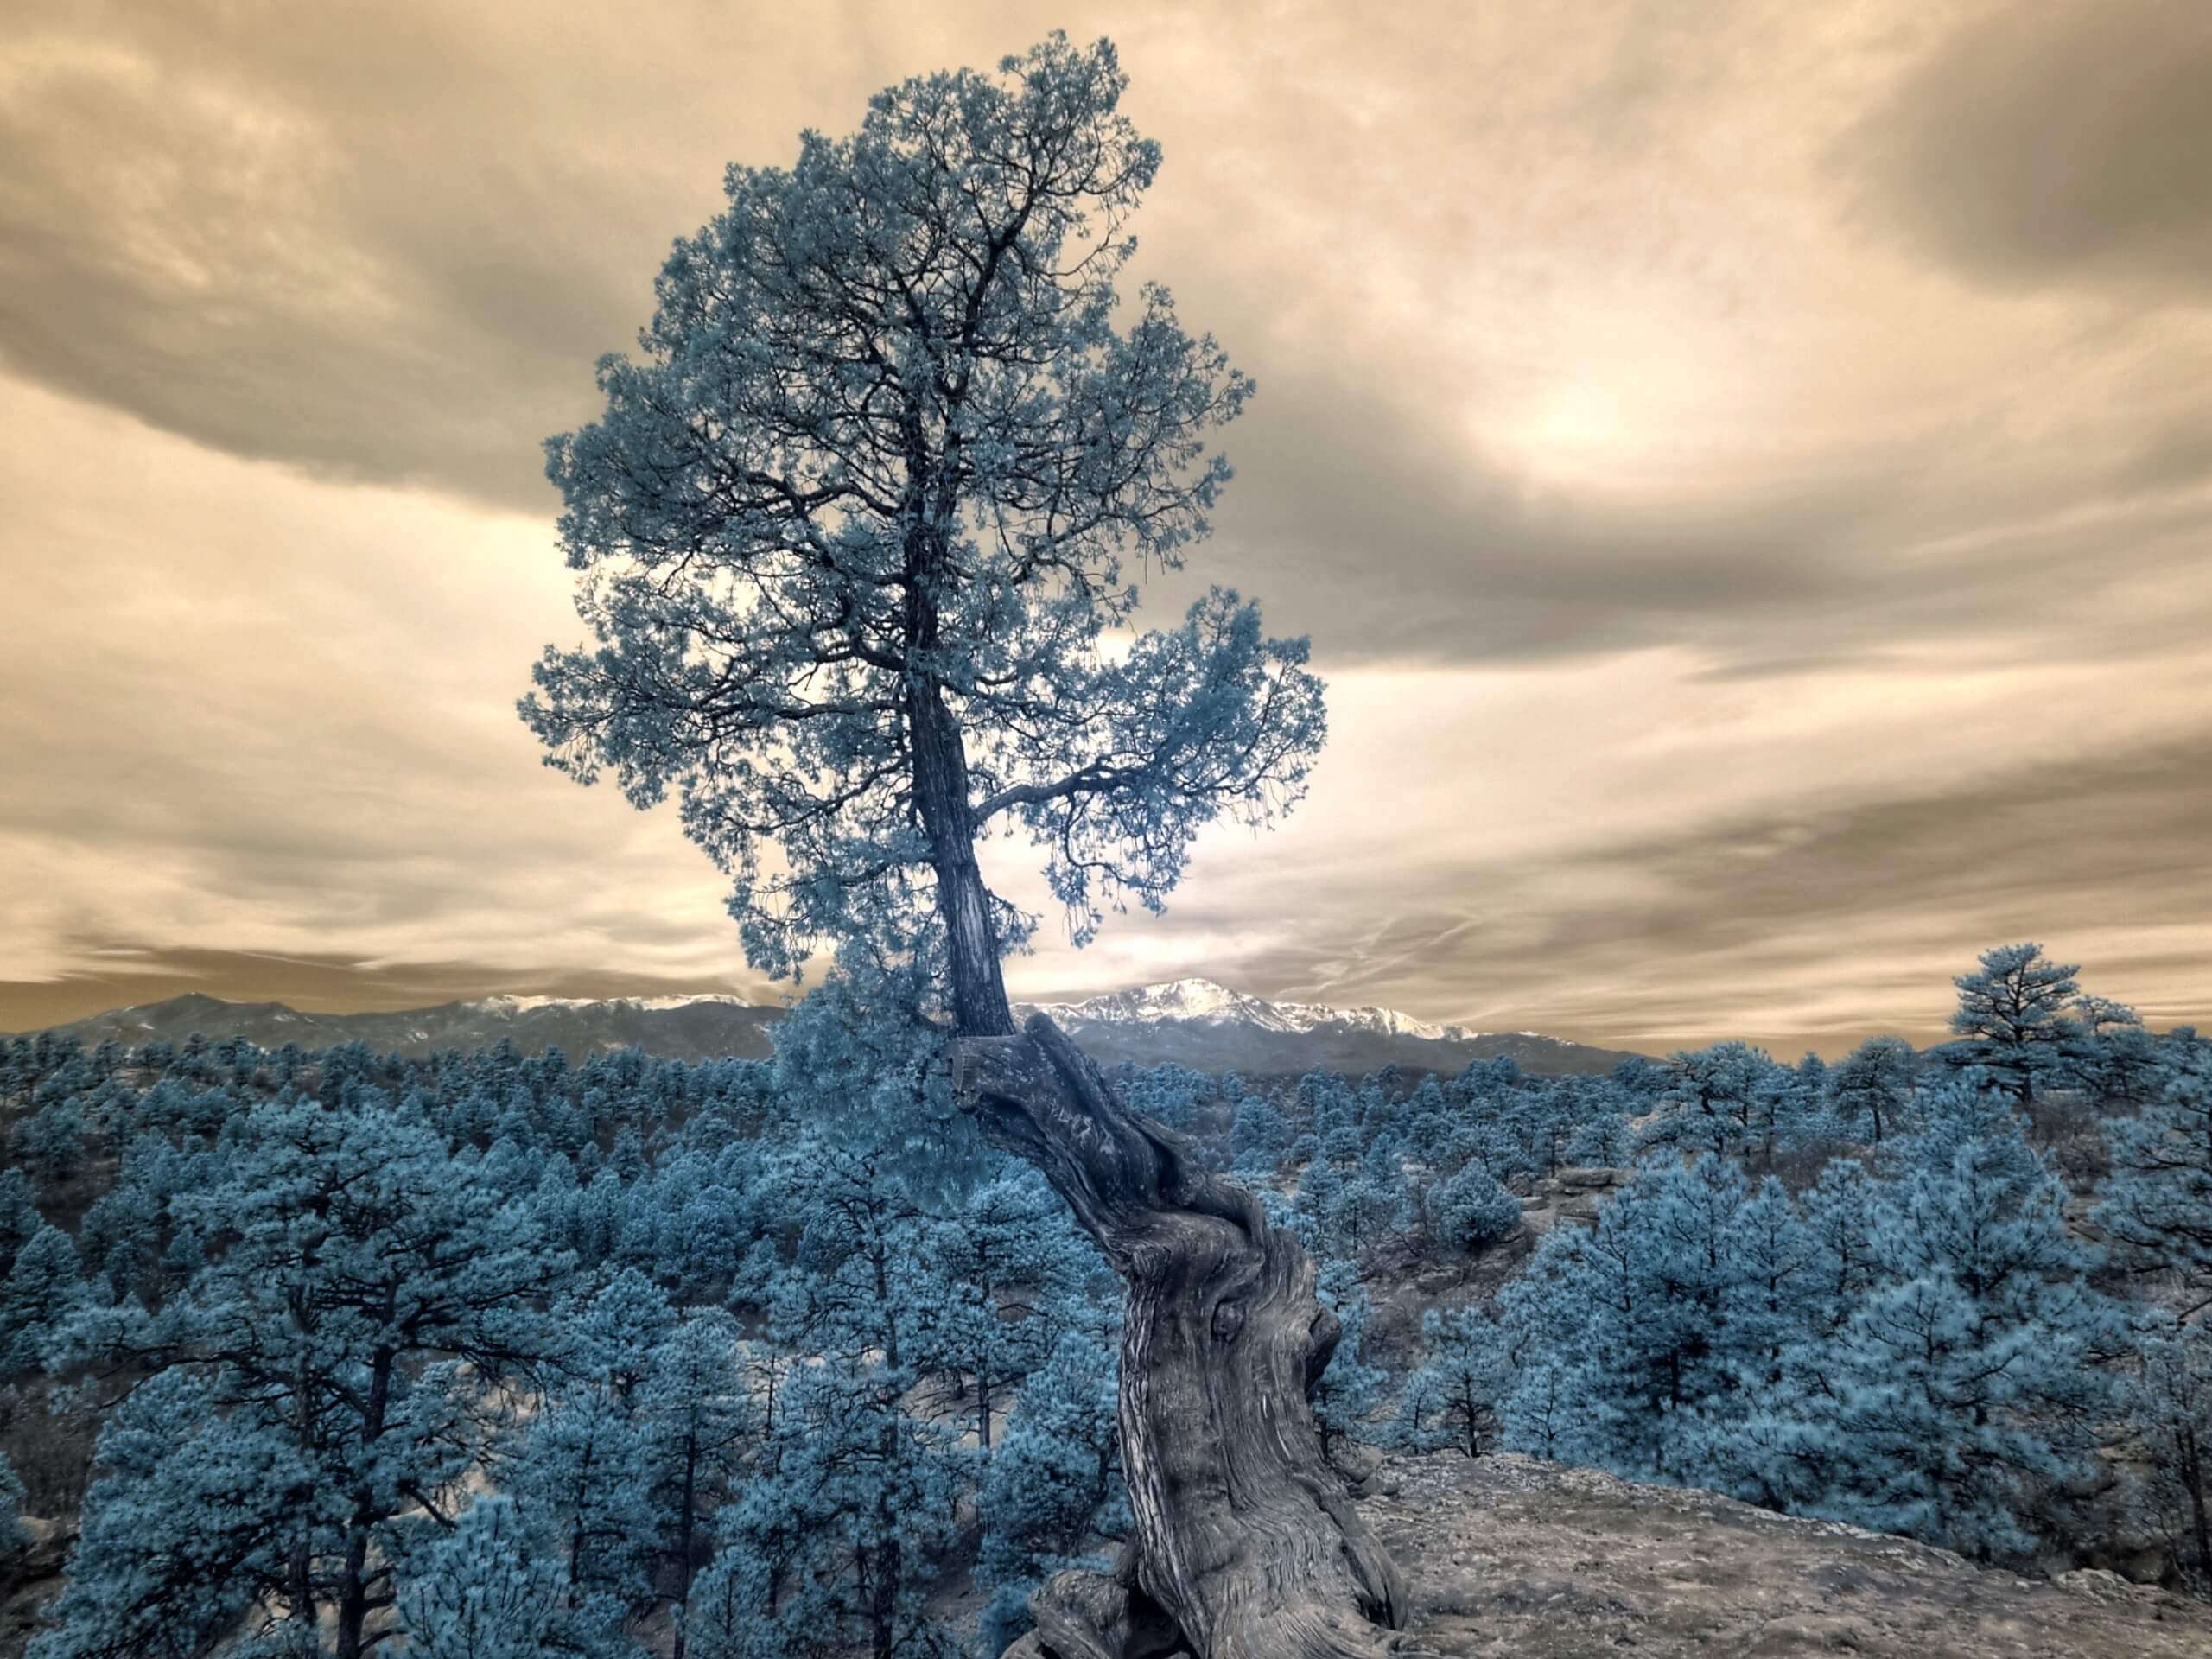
[(1506, 1556)]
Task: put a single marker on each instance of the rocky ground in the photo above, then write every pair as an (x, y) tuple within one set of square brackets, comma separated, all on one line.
[(30, 1576), (1509, 1556)]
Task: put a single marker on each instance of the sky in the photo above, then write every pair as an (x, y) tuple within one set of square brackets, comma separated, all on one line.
[(1745, 469)]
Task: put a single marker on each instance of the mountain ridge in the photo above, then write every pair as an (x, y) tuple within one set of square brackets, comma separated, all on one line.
[(1207, 1026), (1207, 999), (1194, 1022)]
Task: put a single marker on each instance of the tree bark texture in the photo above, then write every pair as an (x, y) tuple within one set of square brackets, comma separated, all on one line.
[(1246, 1545), (979, 1000)]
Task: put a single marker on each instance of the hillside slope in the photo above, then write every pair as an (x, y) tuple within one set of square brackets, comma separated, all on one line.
[(1507, 1555)]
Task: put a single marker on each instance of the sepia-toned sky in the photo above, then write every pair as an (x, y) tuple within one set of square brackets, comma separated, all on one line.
[(1746, 467)]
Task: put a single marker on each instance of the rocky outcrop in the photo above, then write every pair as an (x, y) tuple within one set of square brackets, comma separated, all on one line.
[(30, 1576), (1505, 1555), (1573, 1193)]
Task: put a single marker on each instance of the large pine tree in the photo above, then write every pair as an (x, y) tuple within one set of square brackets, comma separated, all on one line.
[(851, 537)]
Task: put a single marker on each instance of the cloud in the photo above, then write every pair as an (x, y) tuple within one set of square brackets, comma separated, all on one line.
[(1831, 923), (1645, 854), (1360, 523), (382, 246), (124, 975), (1581, 364), (1728, 467), (2061, 144), (1814, 926), (237, 718)]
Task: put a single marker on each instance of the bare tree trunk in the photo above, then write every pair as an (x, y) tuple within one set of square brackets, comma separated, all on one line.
[(2192, 1476), (979, 1002), (354, 1604), (686, 1536), (300, 1570), (1246, 1545)]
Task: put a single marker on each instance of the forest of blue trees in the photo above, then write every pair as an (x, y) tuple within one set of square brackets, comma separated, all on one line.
[(510, 1355)]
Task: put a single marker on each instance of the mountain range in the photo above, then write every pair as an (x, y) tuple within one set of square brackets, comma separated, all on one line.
[(1198, 1023), (1193, 1022)]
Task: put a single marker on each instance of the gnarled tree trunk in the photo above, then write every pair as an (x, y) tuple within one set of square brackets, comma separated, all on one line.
[(1245, 1545)]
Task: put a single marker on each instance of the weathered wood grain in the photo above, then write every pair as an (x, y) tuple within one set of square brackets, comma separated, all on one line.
[(1244, 1541)]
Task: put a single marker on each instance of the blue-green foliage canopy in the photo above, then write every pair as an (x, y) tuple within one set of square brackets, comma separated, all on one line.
[(895, 445)]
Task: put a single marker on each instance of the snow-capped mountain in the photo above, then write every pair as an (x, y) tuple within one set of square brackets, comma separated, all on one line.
[(1176, 998), (1202, 999), (640, 1004), (1200, 1023), (1193, 1022)]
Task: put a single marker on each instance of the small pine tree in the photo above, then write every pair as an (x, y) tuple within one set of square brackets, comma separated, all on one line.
[(19, 1216), (197, 1513), (1366, 1209), (618, 1331), (1470, 1210), (1603, 1141), (854, 1498), (1258, 1129), (1538, 1410), (1632, 1314), (2170, 1410), (581, 1472), (1457, 1394), (1972, 1376), (43, 1289), (2158, 1207), (1870, 1089), (2013, 1020), (1007, 1274), (326, 1375), (1054, 1482), (1840, 1213), (1714, 1102), (1350, 1390), (699, 1419), (482, 1591), (732, 1612)]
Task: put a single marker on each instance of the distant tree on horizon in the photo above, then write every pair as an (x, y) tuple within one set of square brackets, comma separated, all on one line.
[(1870, 1089), (2013, 1019)]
